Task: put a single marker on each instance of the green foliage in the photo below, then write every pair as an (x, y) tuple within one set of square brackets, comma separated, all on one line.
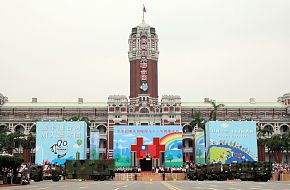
[(78, 117), (213, 113), (7, 141), (28, 142), (198, 120), (10, 161), (79, 142)]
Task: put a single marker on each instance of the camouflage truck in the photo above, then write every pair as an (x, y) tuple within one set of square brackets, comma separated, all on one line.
[(255, 171), (211, 171), (247, 171), (36, 173), (234, 171), (201, 172), (263, 171), (56, 172), (223, 172), (90, 169)]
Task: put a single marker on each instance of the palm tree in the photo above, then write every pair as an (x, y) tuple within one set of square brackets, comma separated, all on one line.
[(286, 142), (213, 113), (268, 131), (275, 145), (197, 120), (3, 137), (28, 142), (261, 144), (8, 141), (78, 117)]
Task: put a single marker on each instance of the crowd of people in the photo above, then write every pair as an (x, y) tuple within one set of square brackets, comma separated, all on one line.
[(281, 168), (19, 175), (154, 170)]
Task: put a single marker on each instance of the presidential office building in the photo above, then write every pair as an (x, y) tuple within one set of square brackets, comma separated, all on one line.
[(143, 106)]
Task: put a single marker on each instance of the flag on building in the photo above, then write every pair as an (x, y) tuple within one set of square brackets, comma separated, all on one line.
[(144, 9)]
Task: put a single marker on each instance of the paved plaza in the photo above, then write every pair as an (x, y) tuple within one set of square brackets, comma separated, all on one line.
[(154, 185)]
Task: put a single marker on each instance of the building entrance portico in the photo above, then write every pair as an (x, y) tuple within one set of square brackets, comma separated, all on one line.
[(146, 164)]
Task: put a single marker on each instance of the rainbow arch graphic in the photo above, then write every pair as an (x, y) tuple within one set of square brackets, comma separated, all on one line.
[(167, 139)]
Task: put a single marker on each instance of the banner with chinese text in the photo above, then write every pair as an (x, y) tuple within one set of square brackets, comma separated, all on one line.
[(148, 141), (231, 141), (60, 141)]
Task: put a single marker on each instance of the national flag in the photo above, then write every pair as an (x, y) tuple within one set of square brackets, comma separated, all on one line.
[(144, 9), (144, 147)]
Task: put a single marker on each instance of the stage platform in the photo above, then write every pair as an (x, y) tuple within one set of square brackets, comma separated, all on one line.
[(148, 176)]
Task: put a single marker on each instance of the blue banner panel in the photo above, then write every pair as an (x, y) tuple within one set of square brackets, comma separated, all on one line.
[(94, 145), (148, 141), (57, 142), (231, 141), (199, 147)]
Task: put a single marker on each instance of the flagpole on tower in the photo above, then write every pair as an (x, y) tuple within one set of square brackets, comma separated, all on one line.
[(144, 11)]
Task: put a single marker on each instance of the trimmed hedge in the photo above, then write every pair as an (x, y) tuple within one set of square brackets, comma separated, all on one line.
[(10, 161)]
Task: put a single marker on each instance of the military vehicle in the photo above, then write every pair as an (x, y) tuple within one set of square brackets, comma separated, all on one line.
[(256, 171), (90, 169), (246, 171), (36, 173), (56, 172), (197, 172), (234, 171)]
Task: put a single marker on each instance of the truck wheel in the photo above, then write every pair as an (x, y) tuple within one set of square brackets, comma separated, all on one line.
[(35, 179), (200, 177), (102, 178), (96, 178), (264, 178)]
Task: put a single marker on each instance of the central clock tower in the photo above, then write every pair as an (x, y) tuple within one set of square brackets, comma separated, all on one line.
[(143, 56)]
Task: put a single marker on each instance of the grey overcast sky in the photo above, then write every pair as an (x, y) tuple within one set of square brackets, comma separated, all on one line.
[(228, 50)]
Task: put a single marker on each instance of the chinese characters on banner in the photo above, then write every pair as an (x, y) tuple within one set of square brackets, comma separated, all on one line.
[(60, 141)]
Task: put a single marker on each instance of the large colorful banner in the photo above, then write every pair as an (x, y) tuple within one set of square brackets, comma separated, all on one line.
[(231, 141), (199, 147), (148, 141), (94, 144), (57, 142)]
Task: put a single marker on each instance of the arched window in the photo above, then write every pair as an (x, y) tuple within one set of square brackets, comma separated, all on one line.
[(187, 129), (284, 129), (268, 130), (102, 129), (144, 110), (19, 128), (3, 127)]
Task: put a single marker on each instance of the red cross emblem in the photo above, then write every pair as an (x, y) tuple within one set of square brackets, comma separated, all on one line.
[(154, 149)]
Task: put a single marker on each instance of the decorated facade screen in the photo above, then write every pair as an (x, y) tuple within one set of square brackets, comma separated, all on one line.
[(94, 144), (231, 141), (148, 142), (199, 147), (57, 142)]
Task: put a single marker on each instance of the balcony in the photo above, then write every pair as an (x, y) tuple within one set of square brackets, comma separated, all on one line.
[(187, 135), (187, 149), (103, 136), (102, 150)]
